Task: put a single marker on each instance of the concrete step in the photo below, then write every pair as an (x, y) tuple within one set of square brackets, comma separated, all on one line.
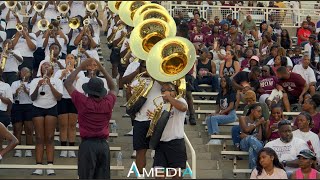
[(206, 164), (209, 174)]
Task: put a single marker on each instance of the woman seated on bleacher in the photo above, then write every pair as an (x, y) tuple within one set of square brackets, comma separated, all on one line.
[(268, 166), (251, 133), (225, 113), (272, 124), (307, 168)]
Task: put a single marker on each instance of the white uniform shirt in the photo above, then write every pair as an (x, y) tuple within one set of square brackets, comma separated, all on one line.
[(35, 26), (55, 67), (175, 126), (307, 74), (64, 25), (57, 75), (5, 91), (12, 63), (95, 26), (48, 100), (309, 136), (23, 47), (75, 33), (3, 34), (23, 97), (131, 68), (92, 53), (51, 12), (51, 41), (12, 21), (84, 79), (77, 8)]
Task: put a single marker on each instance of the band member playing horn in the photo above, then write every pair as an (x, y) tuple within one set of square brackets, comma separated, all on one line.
[(77, 8), (21, 113), (51, 10), (14, 59), (45, 92), (94, 153), (67, 111), (85, 51), (95, 22), (54, 35), (6, 100), (171, 151), (12, 18), (88, 31)]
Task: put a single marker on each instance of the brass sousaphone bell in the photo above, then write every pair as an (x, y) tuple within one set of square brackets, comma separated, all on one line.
[(144, 36), (156, 14), (114, 6), (128, 9), (146, 7)]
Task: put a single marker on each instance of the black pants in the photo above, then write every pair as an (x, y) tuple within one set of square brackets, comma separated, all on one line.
[(94, 159), (10, 77), (27, 62)]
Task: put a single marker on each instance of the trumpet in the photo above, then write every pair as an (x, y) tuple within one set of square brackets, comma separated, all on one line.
[(17, 101), (38, 6), (126, 57), (19, 27), (121, 41), (51, 57), (74, 23), (79, 54), (86, 22), (113, 34), (63, 8), (91, 6), (43, 24), (42, 92), (4, 57)]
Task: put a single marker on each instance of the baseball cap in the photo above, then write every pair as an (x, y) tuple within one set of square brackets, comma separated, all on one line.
[(308, 154), (256, 58)]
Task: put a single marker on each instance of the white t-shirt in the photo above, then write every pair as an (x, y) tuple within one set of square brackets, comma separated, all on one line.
[(175, 126), (12, 21), (289, 62), (148, 105), (23, 47), (51, 12), (131, 68), (75, 33), (64, 25), (307, 74), (57, 75), (287, 151), (23, 97), (3, 34), (55, 67), (309, 136), (12, 63), (84, 79), (95, 26), (48, 100), (5, 91), (92, 53), (35, 26), (308, 48), (123, 47), (51, 41), (77, 8)]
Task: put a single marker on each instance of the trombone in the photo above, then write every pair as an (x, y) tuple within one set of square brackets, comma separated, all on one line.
[(63, 8), (74, 23), (38, 7), (43, 24), (91, 7)]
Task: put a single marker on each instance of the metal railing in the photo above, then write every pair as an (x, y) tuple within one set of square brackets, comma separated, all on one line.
[(286, 17), (193, 157)]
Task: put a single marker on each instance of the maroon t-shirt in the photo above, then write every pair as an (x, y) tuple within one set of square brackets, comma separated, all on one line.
[(274, 134), (268, 84), (93, 116), (294, 85), (199, 37), (206, 30)]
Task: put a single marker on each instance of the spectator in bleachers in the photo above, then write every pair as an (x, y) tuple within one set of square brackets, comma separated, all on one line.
[(264, 27), (305, 123), (206, 71), (273, 53), (285, 42), (306, 73), (231, 66), (225, 112), (224, 33), (205, 29), (303, 33), (278, 62), (242, 79), (265, 45), (307, 168), (287, 147), (295, 6), (311, 24), (272, 124), (282, 53), (246, 59), (311, 42), (268, 83), (217, 21), (213, 37), (251, 133), (235, 38), (251, 46), (293, 87), (271, 20), (315, 55), (310, 106), (296, 59), (248, 26), (194, 22), (253, 62), (196, 36), (268, 166)]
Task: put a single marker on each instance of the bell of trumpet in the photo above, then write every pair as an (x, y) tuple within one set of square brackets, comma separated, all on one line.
[(19, 27), (171, 59), (114, 5), (63, 7), (86, 22), (74, 23), (43, 24), (147, 7), (38, 6), (91, 6), (127, 10), (144, 36), (156, 14)]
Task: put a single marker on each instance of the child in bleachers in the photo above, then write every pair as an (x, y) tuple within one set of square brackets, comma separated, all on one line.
[(272, 124)]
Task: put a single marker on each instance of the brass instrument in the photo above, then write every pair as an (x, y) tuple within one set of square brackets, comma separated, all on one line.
[(144, 36), (38, 6), (146, 7), (51, 58), (43, 24), (74, 23), (127, 10), (113, 34), (4, 57), (155, 115), (125, 58), (17, 101), (19, 27), (14, 6), (115, 5), (63, 8), (91, 6), (121, 41), (79, 54), (42, 92)]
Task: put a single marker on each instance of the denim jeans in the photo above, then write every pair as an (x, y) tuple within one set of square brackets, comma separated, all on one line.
[(213, 122), (213, 81), (235, 132), (253, 146)]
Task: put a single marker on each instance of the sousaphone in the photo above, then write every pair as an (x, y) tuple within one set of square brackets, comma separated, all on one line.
[(146, 34), (114, 6), (146, 7), (128, 9)]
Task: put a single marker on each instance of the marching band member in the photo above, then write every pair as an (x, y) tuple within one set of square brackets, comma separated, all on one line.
[(77, 8), (85, 52), (54, 36), (14, 59), (53, 58), (45, 92), (94, 40), (21, 113), (51, 10), (35, 19), (26, 43), (73, 33), (12, 19), (6, 100), (3, 34), (67, 112), (171, 151), (95, 22)]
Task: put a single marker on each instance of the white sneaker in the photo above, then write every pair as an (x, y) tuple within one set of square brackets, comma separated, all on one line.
[(37, 172), (153, 153), (50, 172), (28, 153), (71, 154), (130, 133), (18, 153), (56, 138), (214, 142), (120, 93), (134, 154), (63, 153)]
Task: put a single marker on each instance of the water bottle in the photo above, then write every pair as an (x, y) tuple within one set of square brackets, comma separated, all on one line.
[(119, 159), (114, 128)]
